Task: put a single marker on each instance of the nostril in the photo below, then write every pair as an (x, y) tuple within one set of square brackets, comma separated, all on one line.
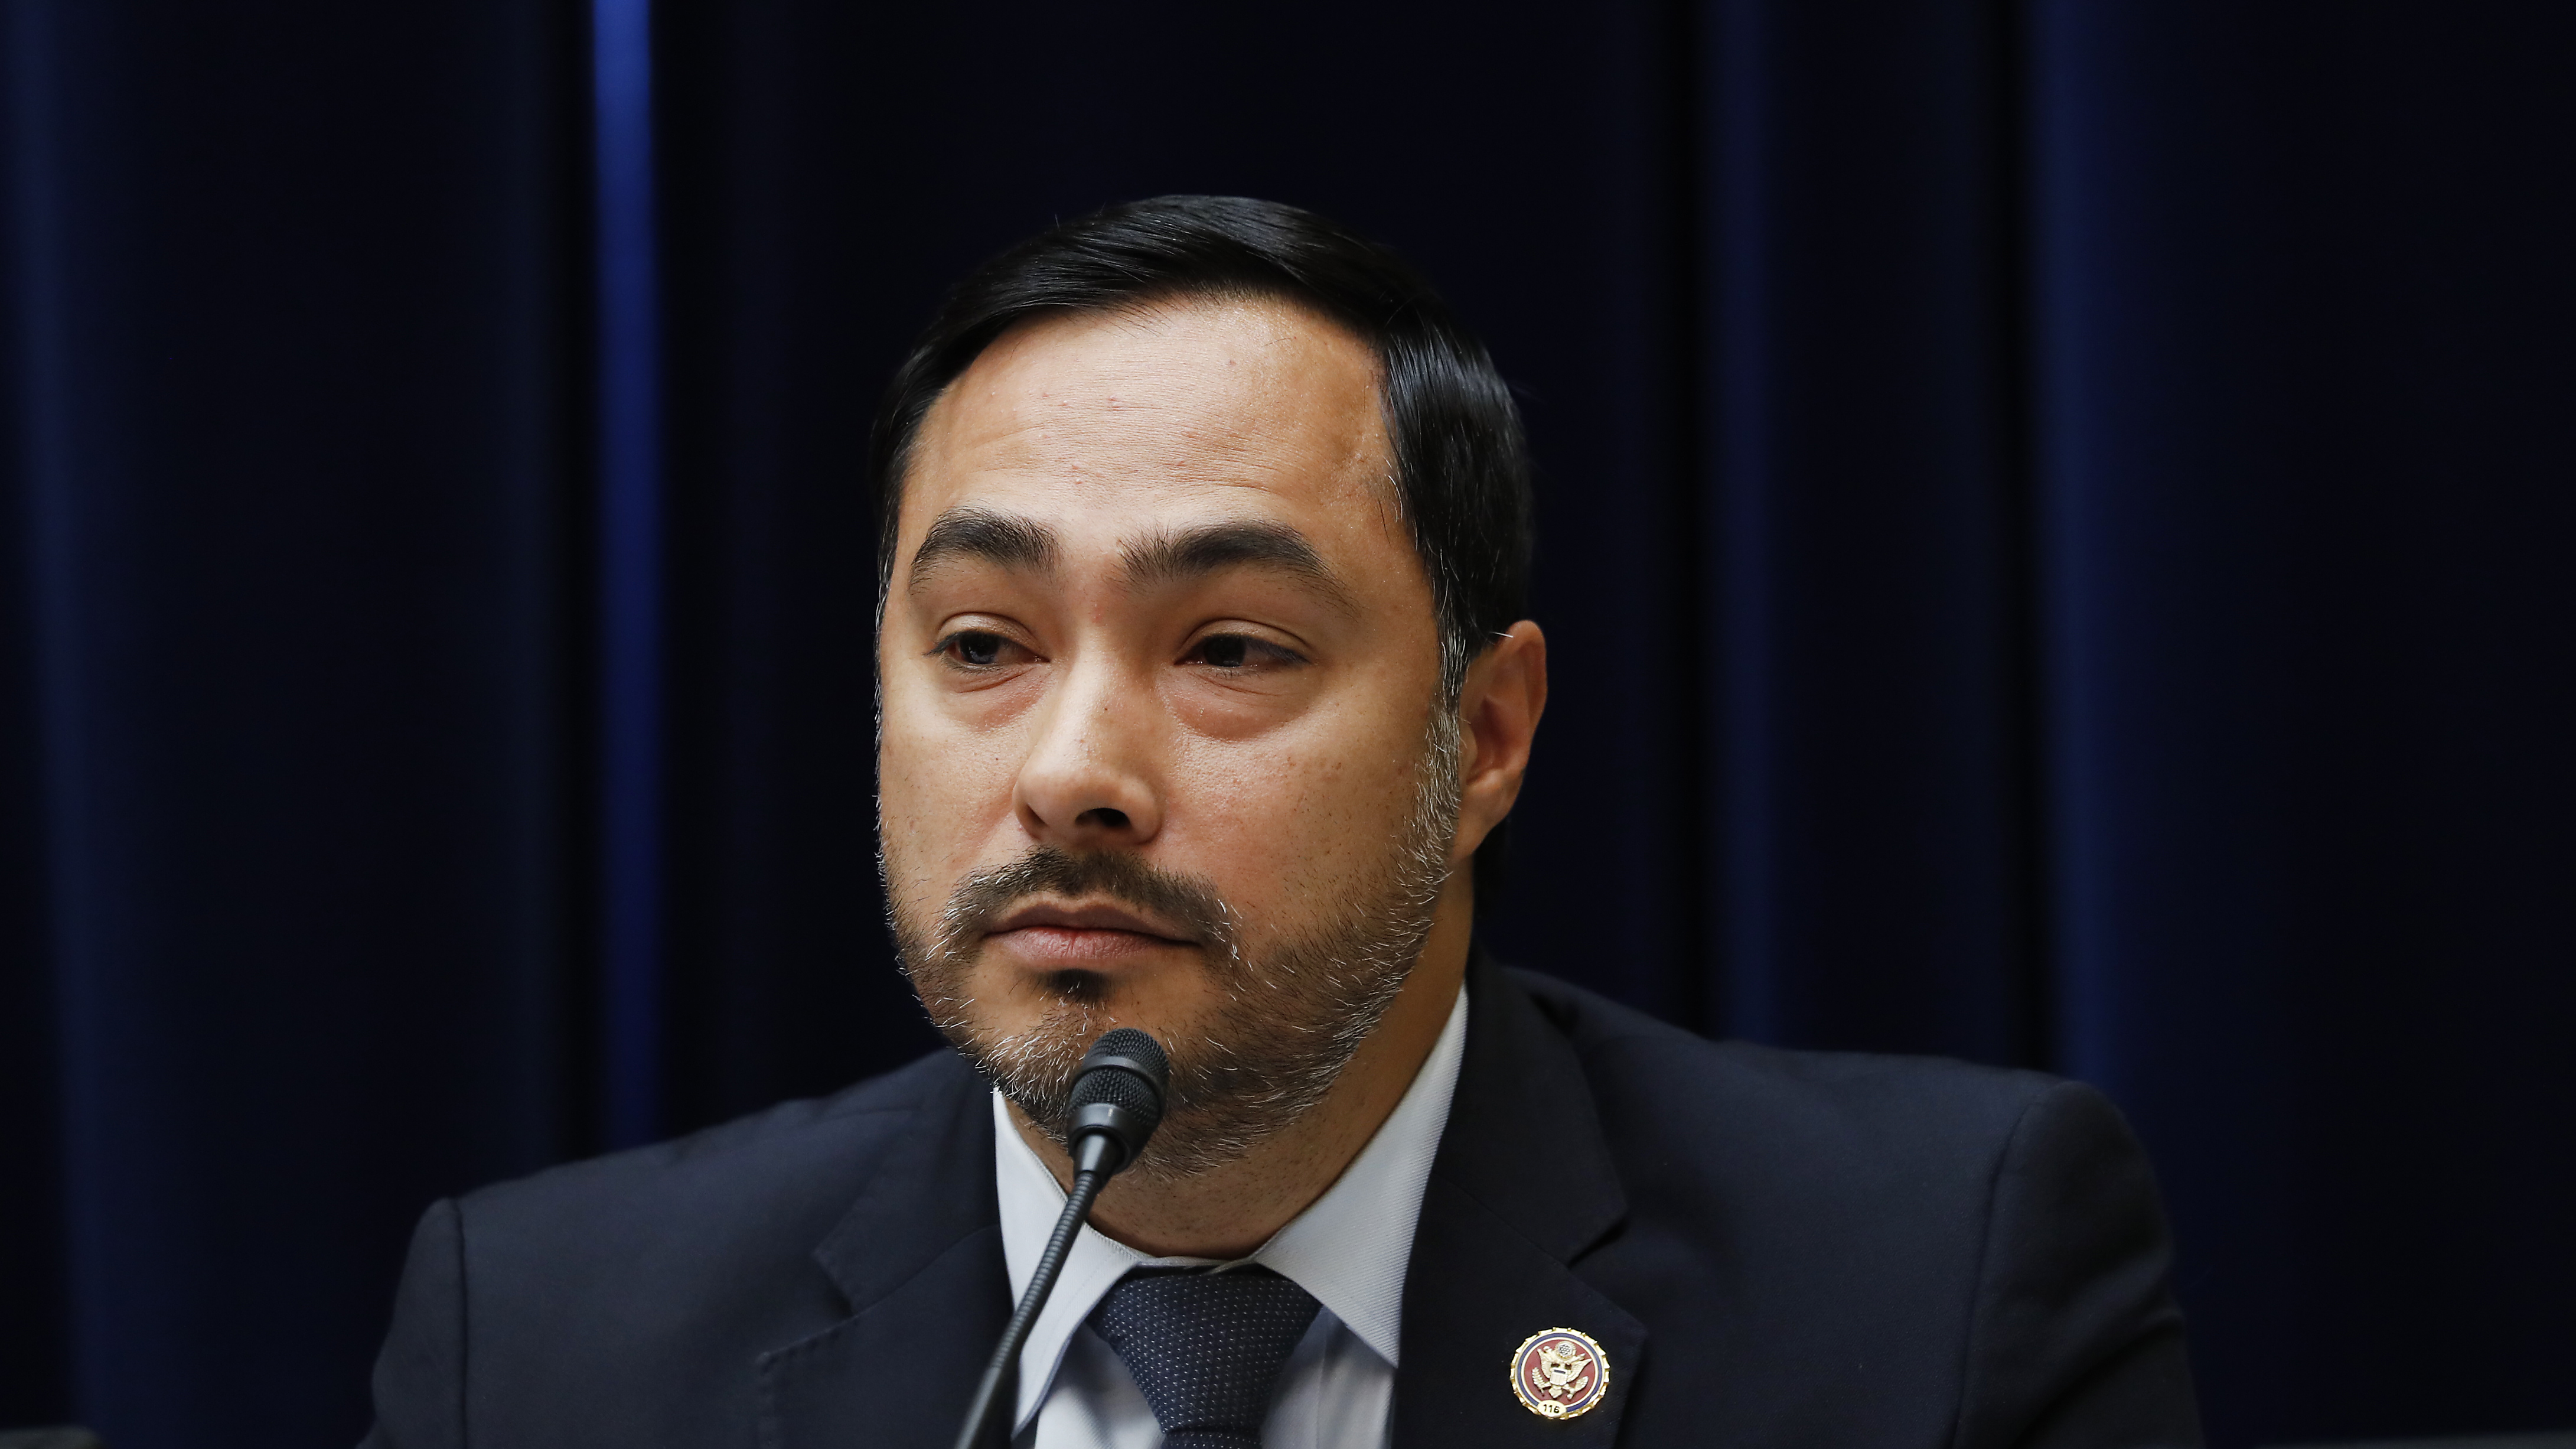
[(1105, 818)]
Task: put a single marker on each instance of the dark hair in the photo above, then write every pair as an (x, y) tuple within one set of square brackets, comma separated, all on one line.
[(1461, 466)]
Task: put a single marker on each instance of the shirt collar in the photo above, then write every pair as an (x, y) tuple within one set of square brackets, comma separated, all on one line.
[(1349, 1248)]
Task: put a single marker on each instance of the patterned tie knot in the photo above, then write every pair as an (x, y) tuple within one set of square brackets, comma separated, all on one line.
[(1206, 1348)]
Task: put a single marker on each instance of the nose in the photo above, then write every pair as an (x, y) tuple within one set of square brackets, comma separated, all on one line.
[(1089, 782)]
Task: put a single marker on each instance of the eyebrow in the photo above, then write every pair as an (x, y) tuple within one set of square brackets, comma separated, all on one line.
[(1174, 556), (1018, 544), (1191, 553)]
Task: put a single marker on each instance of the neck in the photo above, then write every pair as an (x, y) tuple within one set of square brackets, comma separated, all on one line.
[(1231, 1210)]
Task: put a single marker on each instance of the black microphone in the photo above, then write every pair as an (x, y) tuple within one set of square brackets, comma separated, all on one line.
[(1117, 1103)]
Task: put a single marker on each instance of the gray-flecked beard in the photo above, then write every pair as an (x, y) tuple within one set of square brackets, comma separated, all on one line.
[(1290, 1017)]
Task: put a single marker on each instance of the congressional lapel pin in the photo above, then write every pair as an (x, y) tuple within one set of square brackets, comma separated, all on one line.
[(1559, 1373)]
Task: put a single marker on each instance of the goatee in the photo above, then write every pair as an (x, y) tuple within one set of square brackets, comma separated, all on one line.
[(1291, 1013)]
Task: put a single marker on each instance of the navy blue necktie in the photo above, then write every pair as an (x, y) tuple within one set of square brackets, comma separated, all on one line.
[(1206, 1348)]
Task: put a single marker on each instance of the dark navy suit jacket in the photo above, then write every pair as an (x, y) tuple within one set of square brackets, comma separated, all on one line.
[(1774, 1248)]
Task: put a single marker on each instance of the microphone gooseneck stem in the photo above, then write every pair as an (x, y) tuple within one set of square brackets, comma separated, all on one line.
[(1116, 1103), (1077, 1207)]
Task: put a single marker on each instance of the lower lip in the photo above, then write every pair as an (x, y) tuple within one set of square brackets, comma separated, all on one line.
[(1059, 947)]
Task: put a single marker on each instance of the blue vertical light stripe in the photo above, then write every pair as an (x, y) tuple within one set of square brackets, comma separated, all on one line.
[(2080, 727), (40, 307), (630, 571)]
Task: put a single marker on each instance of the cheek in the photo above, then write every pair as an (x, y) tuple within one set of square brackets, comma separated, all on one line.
[(942, 792), (1285, 824)]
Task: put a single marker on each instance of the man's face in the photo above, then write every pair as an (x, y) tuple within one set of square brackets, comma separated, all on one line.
[(1164, 741)]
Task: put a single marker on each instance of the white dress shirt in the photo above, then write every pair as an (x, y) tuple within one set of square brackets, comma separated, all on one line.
[(1349, 1248)]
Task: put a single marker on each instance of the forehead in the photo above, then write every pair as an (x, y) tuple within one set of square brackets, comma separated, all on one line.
[(1108, 425)]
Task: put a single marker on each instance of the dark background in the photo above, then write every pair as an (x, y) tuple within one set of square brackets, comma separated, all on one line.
[(2054, 517)]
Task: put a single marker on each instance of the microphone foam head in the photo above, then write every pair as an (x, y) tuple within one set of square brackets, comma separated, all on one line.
[(1138, 1065), (1118, 1094), (1118, 1089)]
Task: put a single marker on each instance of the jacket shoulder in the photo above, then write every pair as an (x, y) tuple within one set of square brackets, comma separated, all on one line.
[(1884, 1248), (1811, 1103), (815, 1147), (663, 1250), (1894, 1249), (627, 1299)]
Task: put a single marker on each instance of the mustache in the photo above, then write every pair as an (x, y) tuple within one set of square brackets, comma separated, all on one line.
[(1185, 902)]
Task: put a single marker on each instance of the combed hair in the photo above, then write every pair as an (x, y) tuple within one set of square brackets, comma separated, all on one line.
[(1462, 473)]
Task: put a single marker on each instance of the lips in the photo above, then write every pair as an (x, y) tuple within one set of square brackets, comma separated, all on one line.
[(1063, 937), (1100, 917)]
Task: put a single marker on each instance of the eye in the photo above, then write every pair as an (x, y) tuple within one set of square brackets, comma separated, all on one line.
[(1241, 652), (979, 649)]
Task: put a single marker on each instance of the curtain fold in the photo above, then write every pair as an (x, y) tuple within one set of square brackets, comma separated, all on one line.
[(2303, 364), (285, 844)]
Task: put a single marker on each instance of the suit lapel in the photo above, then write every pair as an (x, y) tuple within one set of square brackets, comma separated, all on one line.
[(1523, 1184), (919, 1259)]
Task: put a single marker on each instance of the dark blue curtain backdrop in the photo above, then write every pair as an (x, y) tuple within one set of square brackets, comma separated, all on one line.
[(2056, 522)]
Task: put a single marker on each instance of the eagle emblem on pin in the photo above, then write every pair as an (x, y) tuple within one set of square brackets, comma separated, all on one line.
[(1559, 1373)]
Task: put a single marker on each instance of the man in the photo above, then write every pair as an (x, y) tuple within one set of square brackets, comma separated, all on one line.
[(1204, 683)]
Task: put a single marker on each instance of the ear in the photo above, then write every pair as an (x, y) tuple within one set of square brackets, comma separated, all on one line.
[(1498, 714)]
